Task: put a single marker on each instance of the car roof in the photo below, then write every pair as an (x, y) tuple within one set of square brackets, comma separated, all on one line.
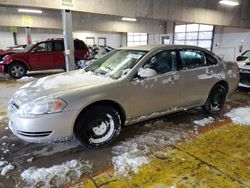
[(163, 46), (54, 39)]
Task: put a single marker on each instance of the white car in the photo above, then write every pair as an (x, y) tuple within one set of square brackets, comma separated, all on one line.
[(243, 62), (125, 86)]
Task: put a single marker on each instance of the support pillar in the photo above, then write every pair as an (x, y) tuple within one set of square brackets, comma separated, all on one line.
[(28, 35), (68, 39), (15, 38)]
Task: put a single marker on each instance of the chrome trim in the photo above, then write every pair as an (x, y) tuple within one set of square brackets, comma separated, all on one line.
[(34, 134)]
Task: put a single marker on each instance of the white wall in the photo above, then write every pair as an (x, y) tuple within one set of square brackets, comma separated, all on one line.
[(38, 35), (112, 39), (7, 40), (154, 39), (227, 41)]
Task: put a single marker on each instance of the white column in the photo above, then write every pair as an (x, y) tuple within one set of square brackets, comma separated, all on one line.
[(68, 40)]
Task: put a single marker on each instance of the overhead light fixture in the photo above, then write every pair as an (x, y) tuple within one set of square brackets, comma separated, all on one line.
[(229, 2), (35, 11), (129, 19)]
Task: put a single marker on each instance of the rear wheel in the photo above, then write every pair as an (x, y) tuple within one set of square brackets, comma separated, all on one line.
[(216, 99), (17, 70), (98, 126)]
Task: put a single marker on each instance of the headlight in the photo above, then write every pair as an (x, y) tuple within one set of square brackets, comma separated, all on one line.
[(44, 105)]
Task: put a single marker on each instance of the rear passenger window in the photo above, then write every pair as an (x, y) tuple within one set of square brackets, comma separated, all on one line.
[(79, 45), (192, 59), (211, 60), (58, 46)]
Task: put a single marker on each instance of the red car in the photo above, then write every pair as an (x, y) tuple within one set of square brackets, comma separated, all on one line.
[(11, 50), (43, 55)]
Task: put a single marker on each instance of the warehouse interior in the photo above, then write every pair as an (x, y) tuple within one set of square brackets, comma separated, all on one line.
[(185, 147)]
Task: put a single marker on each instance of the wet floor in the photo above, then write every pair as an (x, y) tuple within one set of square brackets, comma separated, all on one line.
[(135, 141)]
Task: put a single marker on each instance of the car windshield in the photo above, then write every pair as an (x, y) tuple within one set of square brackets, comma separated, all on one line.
[(246, 54), (28, 47), (116, 64)]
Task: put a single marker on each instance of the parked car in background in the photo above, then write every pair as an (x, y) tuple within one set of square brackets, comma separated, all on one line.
[(42, 55), (125, 86), (95, 53), (243, 62), (108, 48), (11, 50), (99, 51)]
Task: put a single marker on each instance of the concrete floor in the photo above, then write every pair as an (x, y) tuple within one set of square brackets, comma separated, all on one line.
[(24, 155), (217, 158)]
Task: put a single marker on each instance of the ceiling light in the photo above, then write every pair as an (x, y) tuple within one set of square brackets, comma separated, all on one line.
[(229, 2), (129, 19), (30, 11)]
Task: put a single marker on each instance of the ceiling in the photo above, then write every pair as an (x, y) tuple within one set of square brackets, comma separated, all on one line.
[(192, 11)]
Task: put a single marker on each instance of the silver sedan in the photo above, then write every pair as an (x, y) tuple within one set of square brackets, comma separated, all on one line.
[(126, 86)]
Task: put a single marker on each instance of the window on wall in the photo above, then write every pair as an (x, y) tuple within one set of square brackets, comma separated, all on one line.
[(135, 39), (194, 34), (90, 41)]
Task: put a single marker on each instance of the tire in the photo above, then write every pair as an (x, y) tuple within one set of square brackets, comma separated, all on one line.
[(98, 127), (17, 70), (216, 99)]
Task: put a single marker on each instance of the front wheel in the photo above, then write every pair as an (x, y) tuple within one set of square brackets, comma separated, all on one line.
[(216, 99), (17, 70), (98, 126)]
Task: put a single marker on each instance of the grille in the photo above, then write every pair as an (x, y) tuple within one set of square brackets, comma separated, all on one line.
[(34, 134)]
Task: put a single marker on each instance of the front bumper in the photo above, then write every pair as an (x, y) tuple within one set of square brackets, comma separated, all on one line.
[(244, 78), (43, 128), (2, 68)]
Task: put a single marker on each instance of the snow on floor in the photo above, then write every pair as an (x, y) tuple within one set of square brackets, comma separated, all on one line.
[(205, 121), (240, 115), (5, 167), (26, 79), (4, 137), (56, 175), (2, 117), (130, 154)]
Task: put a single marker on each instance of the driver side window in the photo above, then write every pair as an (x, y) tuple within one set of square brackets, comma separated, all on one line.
[(162, 62), (44, 47)]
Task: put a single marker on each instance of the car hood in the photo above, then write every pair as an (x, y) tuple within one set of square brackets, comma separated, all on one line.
[(244, 64), (58, 85)]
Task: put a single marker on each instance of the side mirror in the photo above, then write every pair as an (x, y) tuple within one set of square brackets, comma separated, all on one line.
[(34, 50), (238, 58), (146, 72), (241, 58)]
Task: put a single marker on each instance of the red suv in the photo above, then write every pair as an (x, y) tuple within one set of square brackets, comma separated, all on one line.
[(43, 55)]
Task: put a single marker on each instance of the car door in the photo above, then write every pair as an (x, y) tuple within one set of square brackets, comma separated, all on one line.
[(58, 51), (41, 56), (159, 93), (196, 79)]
